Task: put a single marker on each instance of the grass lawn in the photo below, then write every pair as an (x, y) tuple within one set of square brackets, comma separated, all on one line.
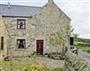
[(85, 48), (83, 44), (25, 64)]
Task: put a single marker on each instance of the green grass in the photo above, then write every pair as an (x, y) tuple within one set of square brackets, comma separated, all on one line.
[(84, 48), (25, 64), (83, 44), (57, 69), (82, 40)]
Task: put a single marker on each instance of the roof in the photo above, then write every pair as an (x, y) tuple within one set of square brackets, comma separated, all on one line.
[(18, 10)]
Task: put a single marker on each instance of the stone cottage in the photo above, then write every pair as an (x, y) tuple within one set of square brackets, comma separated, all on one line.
[(26, 29)]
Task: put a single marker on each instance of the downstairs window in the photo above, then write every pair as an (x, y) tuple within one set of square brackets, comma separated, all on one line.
[(21, 43)]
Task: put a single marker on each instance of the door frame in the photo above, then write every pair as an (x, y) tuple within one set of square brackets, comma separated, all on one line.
[(39, 50)]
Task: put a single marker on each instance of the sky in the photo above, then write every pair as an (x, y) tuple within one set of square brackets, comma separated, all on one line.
[(77, 10)]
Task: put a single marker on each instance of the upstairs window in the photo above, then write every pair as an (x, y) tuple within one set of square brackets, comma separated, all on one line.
[(21, 23), (21, 43)]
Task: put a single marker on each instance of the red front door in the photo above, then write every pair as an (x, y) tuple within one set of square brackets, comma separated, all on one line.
[(39, 47)]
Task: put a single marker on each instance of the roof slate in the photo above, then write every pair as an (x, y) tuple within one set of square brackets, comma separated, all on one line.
[(17, 10)]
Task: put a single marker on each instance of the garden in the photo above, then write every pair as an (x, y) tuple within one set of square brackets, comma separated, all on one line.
[(25, 64)]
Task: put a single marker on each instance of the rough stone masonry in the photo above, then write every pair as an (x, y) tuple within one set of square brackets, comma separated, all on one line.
[(75, 63)]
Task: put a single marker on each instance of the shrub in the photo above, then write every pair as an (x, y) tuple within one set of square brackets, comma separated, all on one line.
[(22, 66), (55, 55)]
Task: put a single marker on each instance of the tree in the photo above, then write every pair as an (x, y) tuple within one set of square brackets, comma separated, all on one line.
[(60, 37), (73, 34)]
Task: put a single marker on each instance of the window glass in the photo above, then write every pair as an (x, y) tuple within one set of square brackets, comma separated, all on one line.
[(21, 23), (21, 43)]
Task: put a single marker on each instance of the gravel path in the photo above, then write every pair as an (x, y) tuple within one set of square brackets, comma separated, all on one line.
[(84, 55), (51, 63)]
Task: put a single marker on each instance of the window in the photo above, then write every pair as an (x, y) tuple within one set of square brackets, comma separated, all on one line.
[(21, 23), (71, 40), (2, 43), (21, 43)]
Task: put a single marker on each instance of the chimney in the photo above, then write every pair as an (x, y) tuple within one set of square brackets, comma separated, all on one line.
[(8, 5), (50, 1)]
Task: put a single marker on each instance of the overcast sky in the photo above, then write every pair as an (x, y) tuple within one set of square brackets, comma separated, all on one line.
[(77, 10)]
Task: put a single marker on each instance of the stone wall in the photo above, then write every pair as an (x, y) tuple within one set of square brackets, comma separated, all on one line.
[(14, 33), (48, 20), (75, 63), (3, 33)]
